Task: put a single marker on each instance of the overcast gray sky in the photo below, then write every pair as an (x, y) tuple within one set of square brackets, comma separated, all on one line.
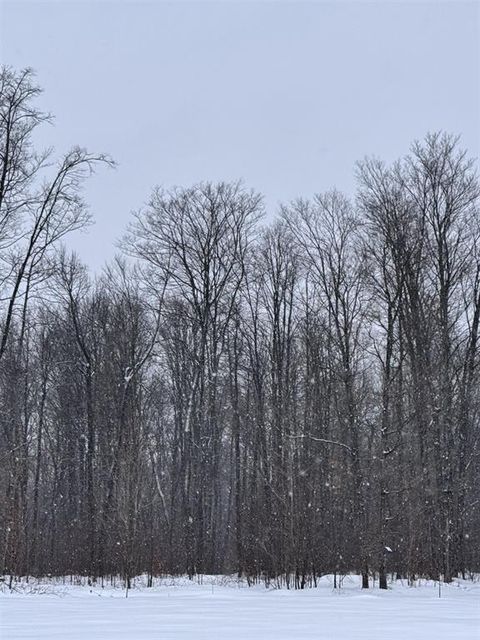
[(286, 95)]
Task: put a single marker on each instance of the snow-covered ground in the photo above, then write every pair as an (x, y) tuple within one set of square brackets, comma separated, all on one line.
[(228, 610)]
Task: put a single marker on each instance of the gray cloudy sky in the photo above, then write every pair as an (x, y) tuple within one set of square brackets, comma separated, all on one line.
[(286, 95)]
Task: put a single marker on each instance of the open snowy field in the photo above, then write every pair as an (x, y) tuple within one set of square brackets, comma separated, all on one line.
[(182, 610)]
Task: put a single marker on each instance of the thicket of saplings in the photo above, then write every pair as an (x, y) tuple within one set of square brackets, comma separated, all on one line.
[(276, 398)]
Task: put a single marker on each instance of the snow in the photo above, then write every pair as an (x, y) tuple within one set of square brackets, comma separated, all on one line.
[(180, 610)]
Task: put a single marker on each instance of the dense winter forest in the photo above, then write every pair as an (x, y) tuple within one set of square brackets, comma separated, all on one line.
[(279, 397)]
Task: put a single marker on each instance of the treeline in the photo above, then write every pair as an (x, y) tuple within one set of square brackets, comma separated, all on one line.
[(284, 399)]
